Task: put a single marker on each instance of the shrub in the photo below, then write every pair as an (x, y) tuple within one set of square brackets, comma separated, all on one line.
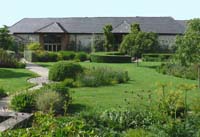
[(45, 125), (49, 101), (9, 61), (44, 56), (61, 89), (62, 70), (52, 56), (67, 55), (69, 83), (2, 93), (156, 57), (101, 76), (137, 133), (97, 44), (34, 46), (82, 56), (189, 72), (109, 58), (171, 103), (23, 102), (20, 65), (54, 91)]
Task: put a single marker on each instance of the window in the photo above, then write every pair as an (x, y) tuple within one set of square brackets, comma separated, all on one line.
[(52, 46), (52, 42)]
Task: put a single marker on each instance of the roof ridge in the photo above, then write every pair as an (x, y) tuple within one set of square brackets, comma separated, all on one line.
[(102, 17), (50, 25), (121, 24)]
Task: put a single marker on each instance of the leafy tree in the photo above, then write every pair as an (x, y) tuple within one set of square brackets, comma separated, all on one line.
[(34, 46), (109, 38), (138, 42), (97, 43), (188, 45), (6, 40), (135, 28)]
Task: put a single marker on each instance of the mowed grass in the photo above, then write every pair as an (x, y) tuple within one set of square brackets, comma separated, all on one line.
[(13, 80), (142, 79)]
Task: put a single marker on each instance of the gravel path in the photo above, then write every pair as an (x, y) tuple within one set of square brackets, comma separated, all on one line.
[(43, 72)]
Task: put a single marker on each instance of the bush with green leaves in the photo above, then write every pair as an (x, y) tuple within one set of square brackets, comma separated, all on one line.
[(67, 55), (9, 61), (2, 93), (23, 102), (82, 56), (109, 38), (57, 92), (97, 43), (137, 42), (187, 45), (49, 101), (124, 119), (44, 56), (34, 46), (62, 70), (6, 39), (101, 76), (138, 133), (177, 70), (69, 82), (49, 126)]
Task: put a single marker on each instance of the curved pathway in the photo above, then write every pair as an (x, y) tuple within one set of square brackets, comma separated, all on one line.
[(43, 72), (38, 81), (17, 118)]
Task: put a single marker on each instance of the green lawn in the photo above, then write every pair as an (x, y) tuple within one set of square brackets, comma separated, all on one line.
[(13, 80), (143, 77)]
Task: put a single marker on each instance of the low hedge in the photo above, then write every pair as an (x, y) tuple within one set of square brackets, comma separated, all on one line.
[(156, 57), (110, 57), (46, 56)]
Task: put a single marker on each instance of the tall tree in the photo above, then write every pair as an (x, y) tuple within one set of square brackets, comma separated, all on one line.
[(108, 38), (188, 45), (138, 42), (6, 40)]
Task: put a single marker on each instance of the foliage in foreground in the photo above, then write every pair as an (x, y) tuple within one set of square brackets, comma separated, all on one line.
[(188, 47), (23, 102), (166, 118), (53, 98)]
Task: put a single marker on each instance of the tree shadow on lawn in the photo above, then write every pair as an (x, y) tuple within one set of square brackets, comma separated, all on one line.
[(7, 73), (76, 108)]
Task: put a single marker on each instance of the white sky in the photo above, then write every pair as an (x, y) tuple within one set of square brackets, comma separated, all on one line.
[(12, 11)]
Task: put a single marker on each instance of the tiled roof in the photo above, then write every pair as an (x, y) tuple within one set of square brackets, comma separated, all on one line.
[(161, 25), (124, 27), (51, 28), (183, 23)]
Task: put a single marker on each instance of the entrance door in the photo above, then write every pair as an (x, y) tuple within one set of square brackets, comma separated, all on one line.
[(52, 42)]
